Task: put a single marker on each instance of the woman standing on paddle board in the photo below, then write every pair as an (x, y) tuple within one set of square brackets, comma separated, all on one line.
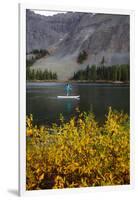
[(68, 89)]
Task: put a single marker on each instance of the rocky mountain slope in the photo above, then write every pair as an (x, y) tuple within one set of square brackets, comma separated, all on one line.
[(66, 35)]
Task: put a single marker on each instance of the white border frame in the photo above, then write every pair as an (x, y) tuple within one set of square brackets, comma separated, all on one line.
[(22, 98)]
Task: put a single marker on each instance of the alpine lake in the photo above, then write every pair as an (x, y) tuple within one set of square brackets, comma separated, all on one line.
[(42, 101)]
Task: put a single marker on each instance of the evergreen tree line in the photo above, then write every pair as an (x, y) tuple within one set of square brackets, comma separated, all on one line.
[(32, 74), (38, 54), (113, 73), (30, 62)]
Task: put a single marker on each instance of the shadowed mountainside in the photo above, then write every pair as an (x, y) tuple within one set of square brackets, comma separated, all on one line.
[(65, 35)]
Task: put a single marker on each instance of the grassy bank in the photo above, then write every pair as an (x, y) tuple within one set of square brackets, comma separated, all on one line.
[(79, 153)]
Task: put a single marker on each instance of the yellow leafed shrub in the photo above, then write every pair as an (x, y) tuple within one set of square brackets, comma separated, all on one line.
[(78, 153)]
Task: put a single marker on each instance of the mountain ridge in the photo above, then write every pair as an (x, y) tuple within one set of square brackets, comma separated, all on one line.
[(67, 34)]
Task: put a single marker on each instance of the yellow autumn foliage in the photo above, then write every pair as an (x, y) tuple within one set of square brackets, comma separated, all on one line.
[(78, 153)]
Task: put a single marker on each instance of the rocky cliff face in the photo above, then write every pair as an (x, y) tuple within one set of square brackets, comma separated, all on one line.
[(66, 35), (45, 31)]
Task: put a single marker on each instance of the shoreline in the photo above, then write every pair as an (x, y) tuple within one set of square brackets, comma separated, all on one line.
[(79, 81)]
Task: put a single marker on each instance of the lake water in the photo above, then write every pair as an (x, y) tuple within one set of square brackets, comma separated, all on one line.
[(42, 102)]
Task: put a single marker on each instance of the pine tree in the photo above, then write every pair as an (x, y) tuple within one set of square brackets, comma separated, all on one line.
[(93, 73), (103, 61)]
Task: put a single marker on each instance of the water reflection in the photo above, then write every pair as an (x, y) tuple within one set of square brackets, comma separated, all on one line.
[(69, 106), (91, 107)]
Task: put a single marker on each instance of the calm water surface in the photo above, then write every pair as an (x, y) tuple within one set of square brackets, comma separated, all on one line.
[(42, 100)]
